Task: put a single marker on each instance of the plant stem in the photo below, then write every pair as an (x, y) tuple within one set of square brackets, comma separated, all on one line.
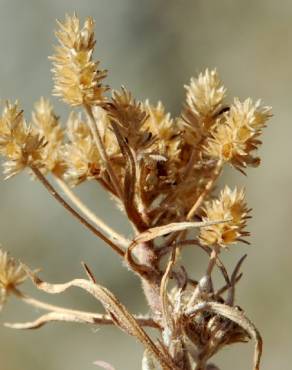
[(213, 259), (74, 213), (113, 235), (205, 192), (88, 317)]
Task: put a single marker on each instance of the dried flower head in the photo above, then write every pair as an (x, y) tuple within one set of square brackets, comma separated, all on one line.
[(77, 77), (231, 207), (131, 116), (80, 153), (20, 144), (11, 275), (46, 123), (204, 99), (158, 122), (235, 136)]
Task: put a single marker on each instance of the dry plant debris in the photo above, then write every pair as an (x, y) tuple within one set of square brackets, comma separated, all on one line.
[(161, 171)]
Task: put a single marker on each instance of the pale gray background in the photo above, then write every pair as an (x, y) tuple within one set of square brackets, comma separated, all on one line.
[(153, 47)]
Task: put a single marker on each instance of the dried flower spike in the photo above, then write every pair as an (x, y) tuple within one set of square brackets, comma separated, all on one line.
[(77, 77), (230, 205)]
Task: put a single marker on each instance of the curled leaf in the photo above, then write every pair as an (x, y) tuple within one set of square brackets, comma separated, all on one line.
[(237, 316)]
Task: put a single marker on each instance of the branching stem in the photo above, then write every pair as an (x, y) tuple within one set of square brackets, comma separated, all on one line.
[(72, 211), (113, 235), (81, 316)]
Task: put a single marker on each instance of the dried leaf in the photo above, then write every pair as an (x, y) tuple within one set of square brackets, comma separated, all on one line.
[(155, 232), (122, 318), (236, 316)]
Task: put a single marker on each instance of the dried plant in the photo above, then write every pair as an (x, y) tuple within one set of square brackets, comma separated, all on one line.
[(161, 171)]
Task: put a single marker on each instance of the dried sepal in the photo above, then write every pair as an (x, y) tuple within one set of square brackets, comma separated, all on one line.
[(12, 274), (229, 206), (20, 143), (236, 135), (78, 79)]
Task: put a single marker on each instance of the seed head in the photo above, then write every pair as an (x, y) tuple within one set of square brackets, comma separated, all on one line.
[(11, 275), (204, 99), (77, 77), (230, 206), (46, 123), (235, 136), (20, 144)]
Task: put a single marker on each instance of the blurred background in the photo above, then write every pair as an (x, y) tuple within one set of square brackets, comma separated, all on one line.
[(153, 47)]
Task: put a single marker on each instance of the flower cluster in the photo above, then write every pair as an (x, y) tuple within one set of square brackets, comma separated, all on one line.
[(235, 137), (77, 76), (231, 208), (47, 125), (20, 143), (11, 275), (204, 100)]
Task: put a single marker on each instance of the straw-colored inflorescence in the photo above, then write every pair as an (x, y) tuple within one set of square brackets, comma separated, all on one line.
[(161, 171), (12, 274), (77, 77)]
